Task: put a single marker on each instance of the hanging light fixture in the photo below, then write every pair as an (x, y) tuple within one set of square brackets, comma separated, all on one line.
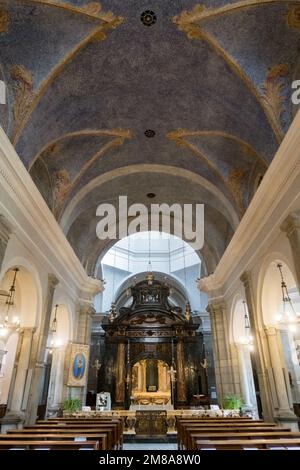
[(54, 321), (128, 290), (113, 308), (55, 342), (9, 321), (287, 313), (149, 275), (248, 338)]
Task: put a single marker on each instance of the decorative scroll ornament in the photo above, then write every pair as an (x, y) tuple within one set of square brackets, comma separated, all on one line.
[(4, 21), (273, 91), (235, 182), (92, 8), (293, 17), (24, 93), (61, 184), (186, 21), (110, 21)]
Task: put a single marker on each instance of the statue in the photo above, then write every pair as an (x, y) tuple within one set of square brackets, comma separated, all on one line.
[(187, 311)]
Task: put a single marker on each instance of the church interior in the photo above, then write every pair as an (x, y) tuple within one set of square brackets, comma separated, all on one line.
[(146, 341)]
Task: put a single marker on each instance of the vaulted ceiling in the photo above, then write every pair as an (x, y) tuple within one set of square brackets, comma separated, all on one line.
[(86, 80)]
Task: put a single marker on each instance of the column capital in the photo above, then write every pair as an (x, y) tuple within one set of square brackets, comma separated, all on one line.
[(216, 307), (291, 223), (27, 330), (271, 331), (246, 279), (86, 308), (53, 281)]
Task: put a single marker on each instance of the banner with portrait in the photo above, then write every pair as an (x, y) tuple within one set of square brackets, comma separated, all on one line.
[(79, 361)]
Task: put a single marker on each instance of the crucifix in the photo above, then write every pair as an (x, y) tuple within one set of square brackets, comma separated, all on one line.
[(97, 366)]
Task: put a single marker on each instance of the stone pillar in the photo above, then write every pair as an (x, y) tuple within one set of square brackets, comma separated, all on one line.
[(21, 368), (247, 380), (291, 360), (282, 398), (85, 312), (55, 396), (226, 367), (4, 237), (257, 354), (291, 227), (120, 379), (36, 387), (181, 385)]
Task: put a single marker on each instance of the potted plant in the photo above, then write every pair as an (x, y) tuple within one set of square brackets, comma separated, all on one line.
[(232, 402), (71, 405)]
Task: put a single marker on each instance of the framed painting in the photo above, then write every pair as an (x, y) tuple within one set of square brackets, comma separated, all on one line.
[(79, 360)]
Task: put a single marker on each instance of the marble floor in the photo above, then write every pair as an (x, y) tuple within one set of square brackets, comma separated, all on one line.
[(149, 446)]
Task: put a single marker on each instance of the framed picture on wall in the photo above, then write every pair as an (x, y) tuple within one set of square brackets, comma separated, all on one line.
[(79, 360)]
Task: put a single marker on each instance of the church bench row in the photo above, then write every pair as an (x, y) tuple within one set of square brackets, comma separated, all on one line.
[(49, 445), (190, 430), (116, 423), (194, 438), (185, 437), (261, 444), (112, 439), (107, 434), (100, 438), (80, 428), (183, 423)]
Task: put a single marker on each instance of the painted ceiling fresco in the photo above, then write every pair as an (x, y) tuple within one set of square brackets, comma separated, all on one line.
[(86, 79)]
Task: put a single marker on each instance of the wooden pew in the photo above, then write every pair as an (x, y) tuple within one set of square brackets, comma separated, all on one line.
[(193, 438), (113, 439), (261, 444), (118, 430), (100, 438), (84, 422), (51, 445), (185, 431)]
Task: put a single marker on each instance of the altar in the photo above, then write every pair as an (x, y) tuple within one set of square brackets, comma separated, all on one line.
[(151, 353)]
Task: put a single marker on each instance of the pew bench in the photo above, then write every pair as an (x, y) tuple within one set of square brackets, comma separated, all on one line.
[(49, 445)]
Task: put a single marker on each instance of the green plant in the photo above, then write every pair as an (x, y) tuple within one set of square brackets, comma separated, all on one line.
[(72, 404), (232, 402)]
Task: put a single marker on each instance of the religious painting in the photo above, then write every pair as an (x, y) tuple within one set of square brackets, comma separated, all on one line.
[(78, 365), (103, 402)]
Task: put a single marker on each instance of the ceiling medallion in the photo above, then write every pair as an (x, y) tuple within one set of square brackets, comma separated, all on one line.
[(148, 18), (149, 133)]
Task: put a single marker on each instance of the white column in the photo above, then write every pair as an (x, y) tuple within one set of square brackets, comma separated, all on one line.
[(258, 356), (244, 373), (36, 386), (282, 386), (21, 368), (55, 396), (226, 365), (292, 361)]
